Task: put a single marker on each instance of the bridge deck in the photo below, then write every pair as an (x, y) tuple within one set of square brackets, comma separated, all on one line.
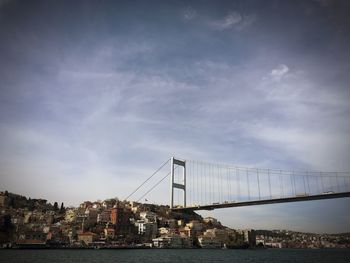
[(266, 201)]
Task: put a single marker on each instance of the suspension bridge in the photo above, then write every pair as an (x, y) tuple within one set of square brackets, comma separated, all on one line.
[(198, 185)]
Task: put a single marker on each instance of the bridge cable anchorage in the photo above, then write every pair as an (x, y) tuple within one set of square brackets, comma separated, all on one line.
[(147, 179), (154, 186)]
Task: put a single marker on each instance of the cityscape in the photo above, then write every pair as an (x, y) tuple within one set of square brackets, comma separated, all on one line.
[(177, 131), (114, 224)]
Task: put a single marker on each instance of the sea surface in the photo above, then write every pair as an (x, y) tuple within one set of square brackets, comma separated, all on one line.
[(177, 255)]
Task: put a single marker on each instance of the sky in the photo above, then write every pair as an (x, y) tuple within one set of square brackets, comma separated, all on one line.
[(96, 95)]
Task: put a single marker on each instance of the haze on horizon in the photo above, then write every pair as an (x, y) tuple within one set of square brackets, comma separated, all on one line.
[(95, 95)]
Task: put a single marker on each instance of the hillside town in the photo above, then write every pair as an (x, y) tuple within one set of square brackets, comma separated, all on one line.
[(35, 223)]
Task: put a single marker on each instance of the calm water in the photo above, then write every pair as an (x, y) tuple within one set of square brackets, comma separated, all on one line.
[(178, 256)]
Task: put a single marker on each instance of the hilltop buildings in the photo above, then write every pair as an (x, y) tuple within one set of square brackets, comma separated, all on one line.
[(112, 223)]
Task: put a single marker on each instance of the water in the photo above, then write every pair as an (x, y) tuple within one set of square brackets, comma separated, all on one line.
[(176, 256)]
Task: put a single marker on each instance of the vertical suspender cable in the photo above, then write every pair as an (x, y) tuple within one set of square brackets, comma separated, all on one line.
[(295, 190), (238, 185), (257, 176), (291, 183), (248, 185), (338, 186), (322, 182), (268, 174), (281, 178)]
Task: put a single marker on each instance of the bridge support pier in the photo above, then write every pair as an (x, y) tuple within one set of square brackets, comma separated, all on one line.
[(173, 184)]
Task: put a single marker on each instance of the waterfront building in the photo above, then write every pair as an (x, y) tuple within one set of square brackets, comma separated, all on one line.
[(218, 234), (147, 230), (169, 241), (209, 242), (109, 233), (86, 237)]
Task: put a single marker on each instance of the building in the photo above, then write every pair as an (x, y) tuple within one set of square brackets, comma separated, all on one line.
[(120, 219), (209, 242), (218, 234), (4, 200), (248, 237), (109, 233), (148, 216), (211, 220), (33, 235), (86, 237), (163, 231), (70, 215), (91, 216), (195, 225), (170, 241), (148, 230), (104, 217)]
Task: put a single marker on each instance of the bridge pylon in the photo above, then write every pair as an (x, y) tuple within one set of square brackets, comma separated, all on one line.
[(178, 185)]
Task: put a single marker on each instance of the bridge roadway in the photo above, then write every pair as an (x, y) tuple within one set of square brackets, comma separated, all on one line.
[(264, 202)]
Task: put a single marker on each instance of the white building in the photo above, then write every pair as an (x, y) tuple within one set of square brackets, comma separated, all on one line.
[(148, 216), (147, 229), (170, 241), (209, 242)]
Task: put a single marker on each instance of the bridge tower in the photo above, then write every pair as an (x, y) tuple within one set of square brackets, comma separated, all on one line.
[(177, 185)]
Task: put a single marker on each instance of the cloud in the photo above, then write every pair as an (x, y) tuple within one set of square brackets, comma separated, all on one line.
[(189, 14), (279, 72), (233, 20)]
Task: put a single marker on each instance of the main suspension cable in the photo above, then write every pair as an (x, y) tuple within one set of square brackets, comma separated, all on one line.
[(147, 179)]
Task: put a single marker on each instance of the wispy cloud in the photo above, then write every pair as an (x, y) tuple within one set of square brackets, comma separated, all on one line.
[(189, 13), (279, 72), (233, 20)]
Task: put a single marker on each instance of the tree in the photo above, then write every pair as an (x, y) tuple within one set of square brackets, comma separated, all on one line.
[(31, 204), (8, 226), (62, 209), (55, 206)]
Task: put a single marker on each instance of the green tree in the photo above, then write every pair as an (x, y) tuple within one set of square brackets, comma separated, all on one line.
[(62, 209), (55, 206)]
